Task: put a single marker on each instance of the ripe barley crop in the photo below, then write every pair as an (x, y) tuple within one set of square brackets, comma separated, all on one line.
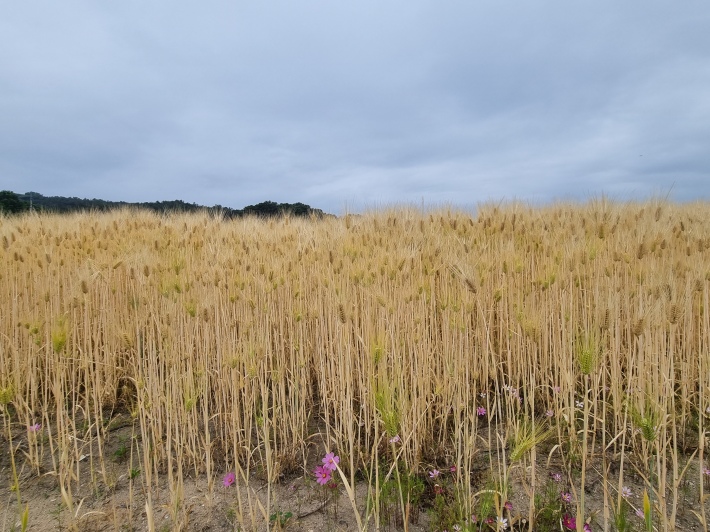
[(581, 331)]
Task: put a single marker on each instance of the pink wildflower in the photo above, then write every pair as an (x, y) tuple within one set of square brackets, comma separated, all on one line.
[(395, 439), (229, 479), (481, 411), (331, 461), (569, 522), (323, 475), (35, 427), (434, 473), (566, 497), (508, 506)]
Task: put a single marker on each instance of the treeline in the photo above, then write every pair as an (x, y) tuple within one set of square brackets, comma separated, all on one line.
[(12, 203)]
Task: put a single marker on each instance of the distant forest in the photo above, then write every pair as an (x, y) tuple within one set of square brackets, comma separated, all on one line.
[(11, 202)]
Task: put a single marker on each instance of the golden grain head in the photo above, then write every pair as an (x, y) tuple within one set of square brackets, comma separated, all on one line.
[(341, 314), (638, 327), (606, 320), (698, 285), (641, 251)]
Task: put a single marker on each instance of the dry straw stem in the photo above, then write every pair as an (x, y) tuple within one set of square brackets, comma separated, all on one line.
[(235, 340)]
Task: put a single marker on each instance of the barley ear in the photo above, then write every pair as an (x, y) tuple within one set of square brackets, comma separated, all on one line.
[(587, 353)]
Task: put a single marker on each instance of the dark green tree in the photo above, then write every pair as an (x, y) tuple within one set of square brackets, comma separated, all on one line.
[(10, 203), (61, 204)]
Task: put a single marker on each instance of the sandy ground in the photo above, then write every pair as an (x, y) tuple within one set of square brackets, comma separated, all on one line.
[(297, 503)]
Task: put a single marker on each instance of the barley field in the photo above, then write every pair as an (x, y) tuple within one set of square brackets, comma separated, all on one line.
[(523, 368)]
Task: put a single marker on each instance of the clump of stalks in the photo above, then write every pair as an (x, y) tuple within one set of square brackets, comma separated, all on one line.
[(232, 343), (587, 351)]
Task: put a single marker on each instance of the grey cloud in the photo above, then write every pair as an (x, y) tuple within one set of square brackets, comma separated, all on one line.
[(335, 104)]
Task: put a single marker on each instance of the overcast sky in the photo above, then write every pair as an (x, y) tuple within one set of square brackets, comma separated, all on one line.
[(355, 104)]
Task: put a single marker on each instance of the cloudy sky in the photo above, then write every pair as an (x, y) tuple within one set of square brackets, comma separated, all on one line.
[(355, 104)]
